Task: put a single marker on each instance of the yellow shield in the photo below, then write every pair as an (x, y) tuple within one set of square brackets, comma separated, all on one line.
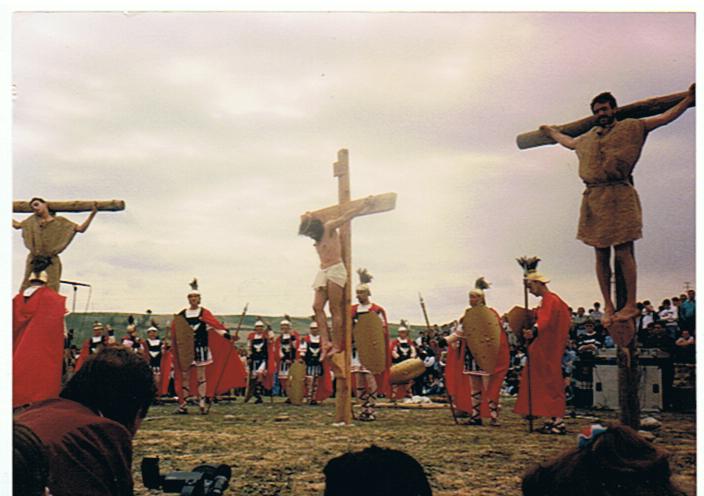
[(368, 335), (520, 318), (482, 333), (183, 342), (405, 371), (296, 387)]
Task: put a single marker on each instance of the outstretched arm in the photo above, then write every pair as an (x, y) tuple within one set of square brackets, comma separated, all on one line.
[(671, 114), (350, 214), (563, 139), (16, 224), (83, 227)]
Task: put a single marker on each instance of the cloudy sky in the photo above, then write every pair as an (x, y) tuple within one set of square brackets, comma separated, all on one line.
[(219, 129)]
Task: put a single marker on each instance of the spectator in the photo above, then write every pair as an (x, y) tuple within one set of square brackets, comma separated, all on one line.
[(375, 471), (612, 461), (578, 321), (88, 430), (684, 351), (668, 314), (648, 315), (596, 314), (657, 338), (687, 314), (30, 466), (589, 343)]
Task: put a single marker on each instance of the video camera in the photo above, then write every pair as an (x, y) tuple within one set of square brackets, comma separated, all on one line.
[(204, 480)]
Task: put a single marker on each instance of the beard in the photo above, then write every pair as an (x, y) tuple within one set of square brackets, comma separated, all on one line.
[(605, 120)]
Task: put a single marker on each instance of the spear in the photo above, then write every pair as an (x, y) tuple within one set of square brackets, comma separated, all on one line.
[(427, 325), (528, 265), (229, 354)]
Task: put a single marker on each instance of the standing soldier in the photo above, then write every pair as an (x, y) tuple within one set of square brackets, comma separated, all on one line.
[(318, 380), (402, 349), (286, 350), (153, 350), (131, 340), (369, 384), (262, 362), (92, 345)]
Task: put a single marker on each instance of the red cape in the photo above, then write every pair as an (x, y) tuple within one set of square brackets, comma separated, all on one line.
[(272, 361), (382, 378), (37, 346), (226, 370), (457, 383), (545, 361)]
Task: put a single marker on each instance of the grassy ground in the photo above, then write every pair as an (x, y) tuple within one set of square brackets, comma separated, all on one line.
[(279, 449)]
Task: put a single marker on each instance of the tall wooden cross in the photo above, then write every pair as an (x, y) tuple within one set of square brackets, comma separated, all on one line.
[(375, 204), (628, 376)]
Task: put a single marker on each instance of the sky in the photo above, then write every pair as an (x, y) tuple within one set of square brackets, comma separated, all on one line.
[(219, 129)]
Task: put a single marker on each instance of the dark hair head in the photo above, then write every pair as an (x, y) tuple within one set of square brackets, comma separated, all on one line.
[(30, 463), (375, 471), (616, 463), (116, 382), (36, 198), (604, 97), (312, 227)]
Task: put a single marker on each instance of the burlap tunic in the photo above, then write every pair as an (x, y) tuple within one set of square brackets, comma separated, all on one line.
[(46, 239), (610, 213)]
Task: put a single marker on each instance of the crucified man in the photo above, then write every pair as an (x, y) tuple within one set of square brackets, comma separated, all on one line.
[(610, 214), (330, 282)]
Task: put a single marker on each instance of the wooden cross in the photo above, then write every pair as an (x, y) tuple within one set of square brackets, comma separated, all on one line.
[(72, 206), (375, 204)]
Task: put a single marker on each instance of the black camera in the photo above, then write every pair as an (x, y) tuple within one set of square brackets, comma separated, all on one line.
[(204, 480)]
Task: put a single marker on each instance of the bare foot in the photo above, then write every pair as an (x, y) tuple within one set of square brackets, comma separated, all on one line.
[(627, 313), (608, 317), (327, 349), (337, 361)]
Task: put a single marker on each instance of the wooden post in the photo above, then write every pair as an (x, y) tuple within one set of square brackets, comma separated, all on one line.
[(628, 371), (72, 206), (636, 110), (374, 204), (343, 392)]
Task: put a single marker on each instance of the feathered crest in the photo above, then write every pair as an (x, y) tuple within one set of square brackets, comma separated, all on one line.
[(130, 320), (364, 276), (404, 323), (154, 323), (529, 264), (287, 317), (194, 284), (482, 284)]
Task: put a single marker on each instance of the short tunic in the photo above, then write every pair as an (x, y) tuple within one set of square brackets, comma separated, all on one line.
[(610, 213)]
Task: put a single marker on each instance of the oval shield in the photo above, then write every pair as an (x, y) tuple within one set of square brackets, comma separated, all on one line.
[(296, 387), (520, 318), (183, 342), (482, 333), (368, 335), (405, 371)]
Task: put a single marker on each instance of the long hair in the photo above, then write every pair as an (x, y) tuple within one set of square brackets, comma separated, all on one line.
[(116, 382), (618, 462), (313, 228)]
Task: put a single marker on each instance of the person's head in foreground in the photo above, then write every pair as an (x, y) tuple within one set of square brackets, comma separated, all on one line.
[(30, 465), (375, 471), (609, 461)]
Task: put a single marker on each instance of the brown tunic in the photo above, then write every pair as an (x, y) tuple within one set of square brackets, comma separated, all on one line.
[(610, 213), (46, 239)]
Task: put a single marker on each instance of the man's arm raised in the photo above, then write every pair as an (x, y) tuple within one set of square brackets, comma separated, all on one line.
[(561, 138), (83, 227), (656, 121), (349, 214)]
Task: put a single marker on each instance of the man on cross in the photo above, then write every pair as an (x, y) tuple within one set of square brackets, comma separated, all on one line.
[(610, 214), (330, 282)]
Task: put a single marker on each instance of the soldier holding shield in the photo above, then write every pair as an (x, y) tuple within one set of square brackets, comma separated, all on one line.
[(484, 356)]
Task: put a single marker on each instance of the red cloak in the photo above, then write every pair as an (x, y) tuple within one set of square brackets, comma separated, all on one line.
[(226, 370), (496, 379), (545, 361), (37, 345), (457, 383)]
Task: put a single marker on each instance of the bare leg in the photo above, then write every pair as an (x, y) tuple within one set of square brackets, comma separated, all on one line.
[(627, 260), (202, 387), (319, 301), (336, 295), (603, 275), (477, 392), (184, 391)]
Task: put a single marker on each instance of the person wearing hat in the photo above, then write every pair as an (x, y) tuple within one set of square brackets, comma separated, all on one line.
[(261, 360), (212, 361), (153, 351), (401, 349), (318, 375), (286, 349), (37, 340), (131, 340), (484, 386), (92, 345), (546, 345), (369, 385)]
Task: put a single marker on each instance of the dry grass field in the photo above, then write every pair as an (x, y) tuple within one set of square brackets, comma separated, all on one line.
[(279, 449)]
